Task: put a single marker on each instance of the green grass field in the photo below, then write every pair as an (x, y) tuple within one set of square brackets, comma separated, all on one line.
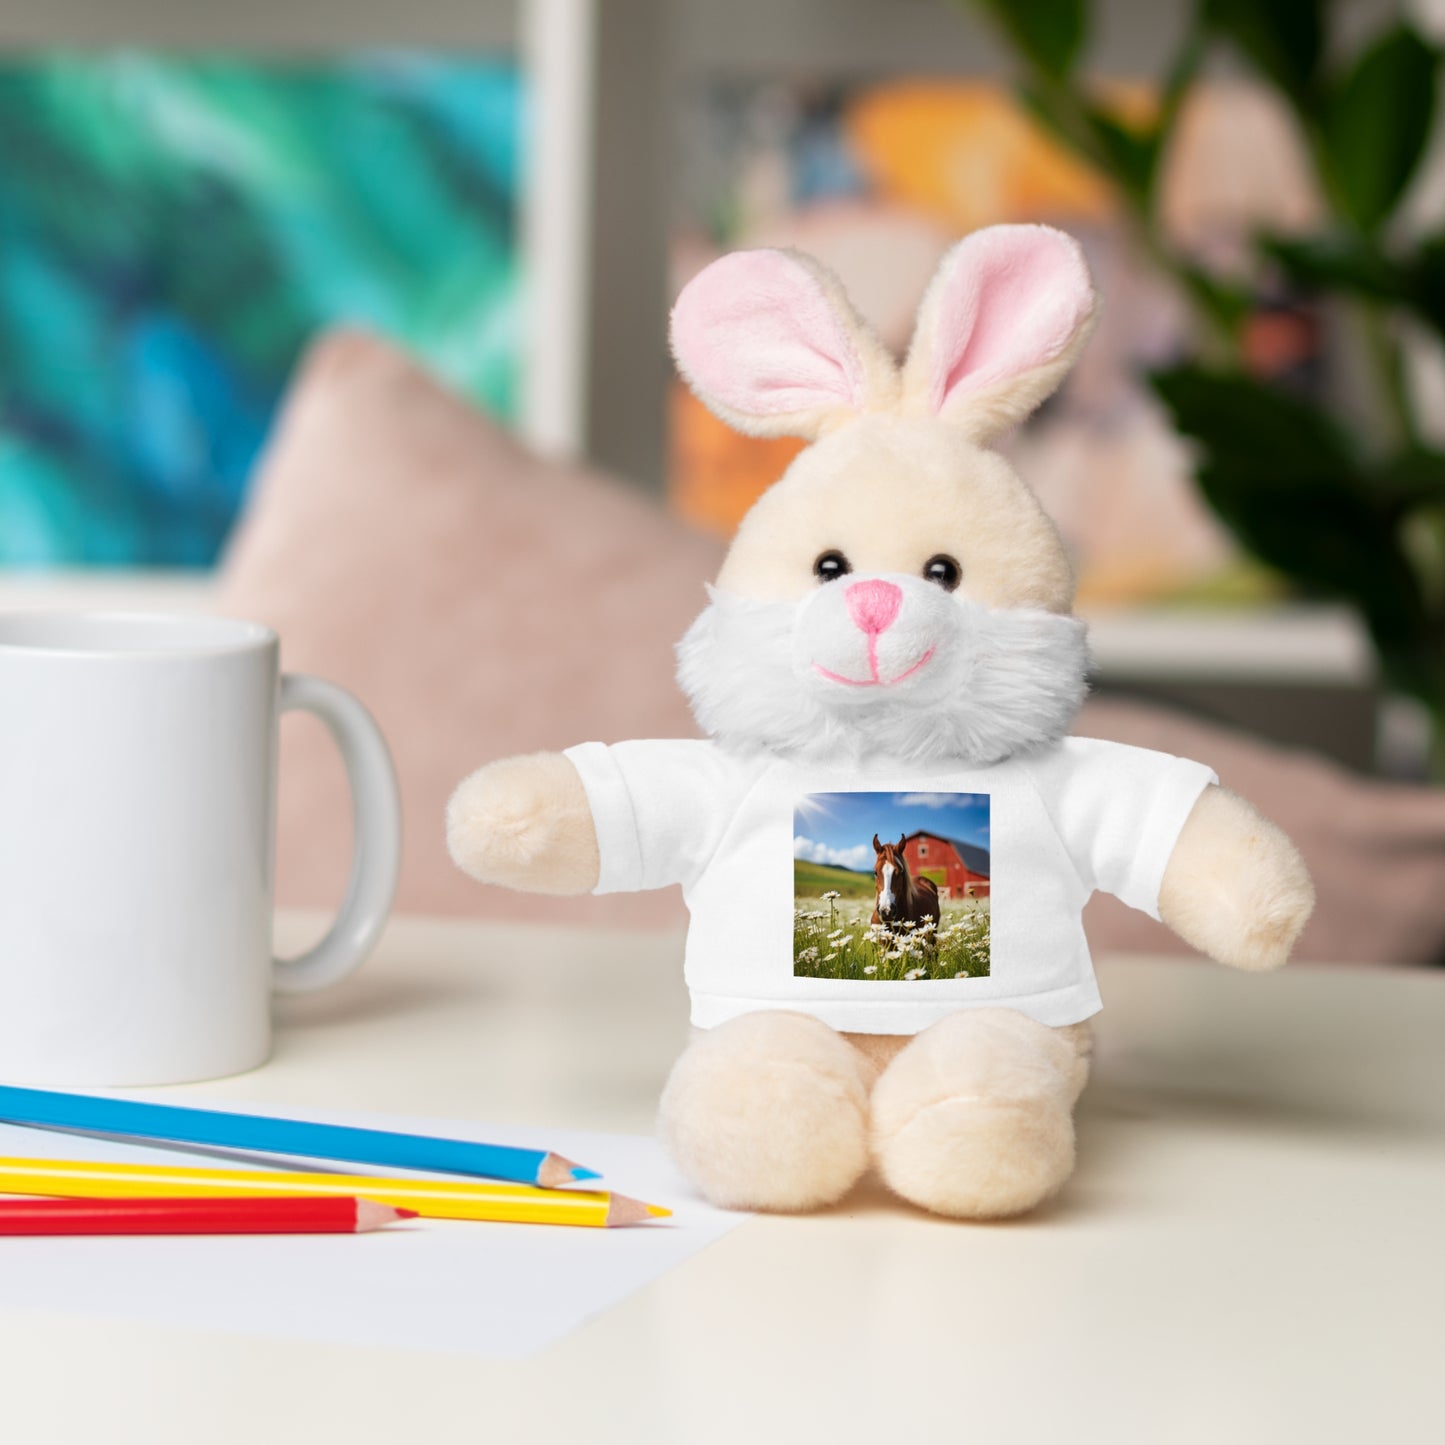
[(812, 880), (833, 937)]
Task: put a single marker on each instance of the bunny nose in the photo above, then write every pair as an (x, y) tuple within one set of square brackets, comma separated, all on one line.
[(873, 605)]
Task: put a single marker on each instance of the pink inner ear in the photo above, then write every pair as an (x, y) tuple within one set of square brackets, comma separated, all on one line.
[(757, 332), (1013, 299)]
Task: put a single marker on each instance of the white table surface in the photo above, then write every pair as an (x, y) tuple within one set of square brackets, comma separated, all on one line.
[(1253, 1248)]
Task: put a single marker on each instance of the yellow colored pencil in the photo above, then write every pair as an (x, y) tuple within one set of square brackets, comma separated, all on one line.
[(430, 1198)]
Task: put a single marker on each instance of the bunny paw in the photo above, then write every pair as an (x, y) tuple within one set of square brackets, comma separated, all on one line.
[(524, 822)]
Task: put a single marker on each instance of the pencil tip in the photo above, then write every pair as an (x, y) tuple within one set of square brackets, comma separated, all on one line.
[(555, 1170), (622, 1210), (371, 1215)]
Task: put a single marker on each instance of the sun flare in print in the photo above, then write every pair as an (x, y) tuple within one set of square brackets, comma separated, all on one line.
[(892, 887)]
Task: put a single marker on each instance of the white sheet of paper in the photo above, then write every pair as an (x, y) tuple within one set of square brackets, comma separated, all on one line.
[(498, 1290)]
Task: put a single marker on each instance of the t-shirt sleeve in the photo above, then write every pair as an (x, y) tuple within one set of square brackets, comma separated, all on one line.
[(660, 809), (1119, 811)]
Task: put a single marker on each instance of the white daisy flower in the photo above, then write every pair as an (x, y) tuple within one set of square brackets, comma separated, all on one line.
[(870, 968), (915, 973)]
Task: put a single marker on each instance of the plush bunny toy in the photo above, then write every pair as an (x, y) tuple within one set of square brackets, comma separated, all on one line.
[(889, 652)]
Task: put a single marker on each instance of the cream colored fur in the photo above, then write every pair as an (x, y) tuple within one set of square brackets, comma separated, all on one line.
[(956, 498), (973, 1117), (1236, 887), (524, 823), (769, 1111), (879, 1050)]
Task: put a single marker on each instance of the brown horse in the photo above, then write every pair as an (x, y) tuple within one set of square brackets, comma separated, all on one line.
[(902, 898)]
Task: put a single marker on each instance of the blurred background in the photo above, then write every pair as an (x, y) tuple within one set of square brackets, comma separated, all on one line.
[(213, 221)]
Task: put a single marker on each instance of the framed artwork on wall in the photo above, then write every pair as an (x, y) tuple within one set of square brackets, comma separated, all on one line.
[(177, 227)]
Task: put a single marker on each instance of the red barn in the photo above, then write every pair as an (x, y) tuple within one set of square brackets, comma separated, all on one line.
[(959, 869)]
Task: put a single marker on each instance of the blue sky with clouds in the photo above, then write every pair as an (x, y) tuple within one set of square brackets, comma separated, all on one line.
[(838, 828)]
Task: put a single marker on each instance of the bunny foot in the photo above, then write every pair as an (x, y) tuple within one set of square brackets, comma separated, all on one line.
[(973, 1118), (769, 1111)]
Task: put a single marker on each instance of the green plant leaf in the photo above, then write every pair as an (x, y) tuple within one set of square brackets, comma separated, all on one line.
[(1225, 300), (1180, 78), (1361, 267), (1284, 38), (1375, 124), (1426, 292), (1258, 428), (1414, 478), (1286, 479), (1057, 112), (1048, 33), (1338, 262), (1130, 156)]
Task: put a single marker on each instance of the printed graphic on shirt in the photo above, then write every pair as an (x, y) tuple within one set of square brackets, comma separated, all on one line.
[(891, 886)]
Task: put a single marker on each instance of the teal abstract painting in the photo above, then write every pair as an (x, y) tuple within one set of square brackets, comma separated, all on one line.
[(174, 230)]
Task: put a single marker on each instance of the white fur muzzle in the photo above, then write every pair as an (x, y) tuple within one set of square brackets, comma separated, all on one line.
[(947, 680)]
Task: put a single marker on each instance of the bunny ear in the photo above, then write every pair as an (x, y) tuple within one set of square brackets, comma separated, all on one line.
[(1000, 325), (772, 345)]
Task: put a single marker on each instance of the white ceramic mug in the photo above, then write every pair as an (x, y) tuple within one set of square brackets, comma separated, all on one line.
[(137, 830)]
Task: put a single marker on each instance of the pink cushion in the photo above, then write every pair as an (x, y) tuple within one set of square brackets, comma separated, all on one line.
[(1376, 850), (478, 600)]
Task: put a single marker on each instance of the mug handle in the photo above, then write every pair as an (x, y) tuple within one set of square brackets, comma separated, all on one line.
[(376, 856)]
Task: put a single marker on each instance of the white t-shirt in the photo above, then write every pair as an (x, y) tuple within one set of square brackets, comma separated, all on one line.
[(776, 862)]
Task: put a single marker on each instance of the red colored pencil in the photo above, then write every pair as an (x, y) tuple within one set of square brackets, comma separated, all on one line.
[(321, 1214)]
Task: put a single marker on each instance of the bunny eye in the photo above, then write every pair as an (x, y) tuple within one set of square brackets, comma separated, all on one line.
[(830, 566), (943, 570)]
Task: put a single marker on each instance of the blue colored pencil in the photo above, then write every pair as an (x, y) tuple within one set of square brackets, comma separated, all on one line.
[(174, 1125)]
